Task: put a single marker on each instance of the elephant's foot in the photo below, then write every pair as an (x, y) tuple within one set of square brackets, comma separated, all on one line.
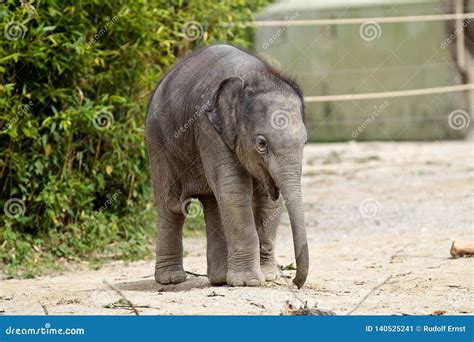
[(245, 278), (217, 269), (216, 261), (270, 270), (218, 277), (170, 274), (244, 266)]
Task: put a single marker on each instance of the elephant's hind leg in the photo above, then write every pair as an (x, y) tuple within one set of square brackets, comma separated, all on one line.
[(169, 248), (216, 243), (169, 244)]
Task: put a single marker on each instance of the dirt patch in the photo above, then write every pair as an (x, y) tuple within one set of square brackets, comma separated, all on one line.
[(380, 217)]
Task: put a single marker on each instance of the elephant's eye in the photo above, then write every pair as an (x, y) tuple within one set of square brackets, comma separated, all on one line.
[(261, 144)]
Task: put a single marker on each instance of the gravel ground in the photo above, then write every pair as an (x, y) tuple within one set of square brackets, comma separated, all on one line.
[(380, 218)]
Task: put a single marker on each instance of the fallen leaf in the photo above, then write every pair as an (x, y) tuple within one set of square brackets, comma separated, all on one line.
[(289, 267)]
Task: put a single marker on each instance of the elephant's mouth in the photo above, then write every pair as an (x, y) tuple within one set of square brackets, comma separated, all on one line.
[(270, 184), (273, 189), (274, 193)]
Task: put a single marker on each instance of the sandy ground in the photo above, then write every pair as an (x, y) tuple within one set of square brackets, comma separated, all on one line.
[(380, 218)]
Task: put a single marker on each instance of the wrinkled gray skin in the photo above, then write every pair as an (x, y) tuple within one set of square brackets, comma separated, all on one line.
[(210, 136)]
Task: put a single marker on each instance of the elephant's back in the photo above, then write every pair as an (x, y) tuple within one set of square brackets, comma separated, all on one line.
[(195, 79), (187, 90)]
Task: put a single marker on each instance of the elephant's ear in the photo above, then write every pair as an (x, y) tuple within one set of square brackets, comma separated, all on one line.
[(225, 109)]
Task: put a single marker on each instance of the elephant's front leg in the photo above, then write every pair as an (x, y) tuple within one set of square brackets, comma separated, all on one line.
[(235, 205), (216, 243), (267, 217)]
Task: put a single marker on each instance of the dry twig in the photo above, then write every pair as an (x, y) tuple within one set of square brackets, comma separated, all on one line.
[(45, 309), (196, 274), (120, 293)]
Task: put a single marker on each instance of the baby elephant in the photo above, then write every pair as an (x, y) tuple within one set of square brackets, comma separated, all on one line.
[(226, 128)]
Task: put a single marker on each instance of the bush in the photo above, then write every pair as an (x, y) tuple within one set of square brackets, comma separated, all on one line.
[(76, 77)]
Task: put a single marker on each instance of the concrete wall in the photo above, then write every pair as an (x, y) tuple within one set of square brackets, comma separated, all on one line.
[(345, 59)]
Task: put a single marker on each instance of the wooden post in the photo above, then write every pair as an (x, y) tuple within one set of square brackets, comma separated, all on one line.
[(459, 32)]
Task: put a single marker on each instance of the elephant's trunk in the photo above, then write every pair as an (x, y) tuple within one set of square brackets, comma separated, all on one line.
[(290, 186)]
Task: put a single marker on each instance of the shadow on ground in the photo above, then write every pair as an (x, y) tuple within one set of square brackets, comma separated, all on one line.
[(150, 285)]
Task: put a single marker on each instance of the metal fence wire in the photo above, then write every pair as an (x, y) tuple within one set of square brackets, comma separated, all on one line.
[(327, 109)]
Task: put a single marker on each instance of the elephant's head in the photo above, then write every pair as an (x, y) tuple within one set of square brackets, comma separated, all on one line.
[(263, 123)]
